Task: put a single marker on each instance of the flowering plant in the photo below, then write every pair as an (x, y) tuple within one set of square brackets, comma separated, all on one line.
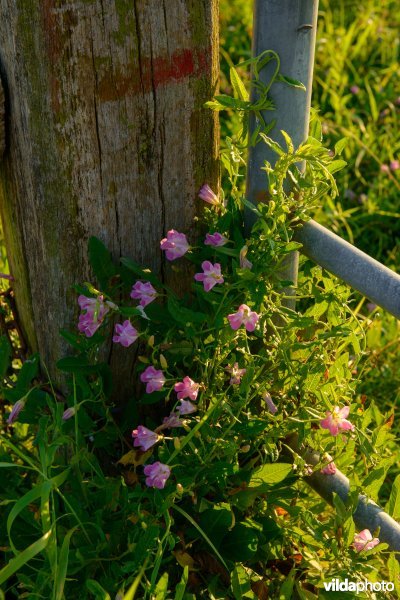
[(190, 476)]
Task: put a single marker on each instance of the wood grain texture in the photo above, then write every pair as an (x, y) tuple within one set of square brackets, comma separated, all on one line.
[(108, 137)]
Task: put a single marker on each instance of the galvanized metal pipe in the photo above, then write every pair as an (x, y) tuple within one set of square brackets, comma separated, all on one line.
[(367, 515), (360, 271), (288, 27)]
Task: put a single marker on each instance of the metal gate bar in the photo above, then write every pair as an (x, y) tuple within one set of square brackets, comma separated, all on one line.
[(360, 271)]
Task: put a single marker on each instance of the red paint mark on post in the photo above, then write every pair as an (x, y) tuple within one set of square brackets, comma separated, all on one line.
[(153, 72)]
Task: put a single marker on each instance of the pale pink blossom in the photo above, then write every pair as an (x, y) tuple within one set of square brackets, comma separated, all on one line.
[(171, 421), (95, 311), (336, 420), (208, 195), (153, 378), (68, 413), (211, 276), (186, 407), (270, 403), (364, 541), (157, 475), (87, 325), (144, 438), (144, 292), (354, 89), (385, 168), (395, 165), (236, 373), (244, 262), (244, 316), (215, 239), (175, 245), (15, 411), (187, 389), (125, 334), (329, 469)]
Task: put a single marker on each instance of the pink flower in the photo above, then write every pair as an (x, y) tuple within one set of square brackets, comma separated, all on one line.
[(175, 245), (364, 541), (215, 239), (144, 438), (6, 276), (385, 168), (68, 413), (336, 420), (236, 373), (95, 311), (143, 292), (211, 276), (330, 469), (354, 89), (208, 195), (244, 316), (153, 378), (16, 409), (157, 475), (186, 407), (270, 403), (88, 325), (244, 262), (125, 334), (187, 389), (171, 421), (395, 165)]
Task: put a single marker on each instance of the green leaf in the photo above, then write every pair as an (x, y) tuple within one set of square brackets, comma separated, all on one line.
[(336, 165), (290, 81), (23, 557), (269, 474), (241, 543), (216, 521), (101, 262), (202, 533), (286, 591), (5, 355), (161, 590), (184, 315), (181, 587), (238, 86), (373, 482), (349, 530), (241, 583), (340, 146), (394, 571), (42, 491), (62, 566), (275, 147), (145, 274), (29, 371), (288, 140), (97, 590), (393, 504), (78, 364)]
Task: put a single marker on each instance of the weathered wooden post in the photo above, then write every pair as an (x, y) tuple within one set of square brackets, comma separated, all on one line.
[(288, 27), (108, 137)]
